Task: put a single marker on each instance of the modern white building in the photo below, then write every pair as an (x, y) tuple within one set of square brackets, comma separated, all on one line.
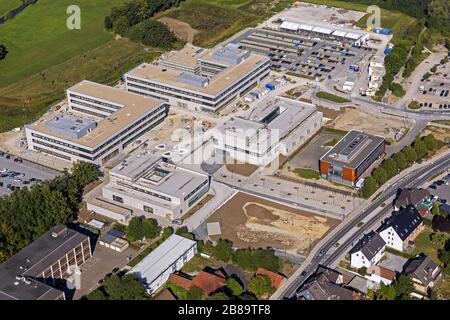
[(198, 79), (275, 126), (402, 228), (368, 251), (153, 186), (170, 256), (98, 124)]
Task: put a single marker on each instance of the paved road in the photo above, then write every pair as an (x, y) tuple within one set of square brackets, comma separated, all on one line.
[(415, 178)]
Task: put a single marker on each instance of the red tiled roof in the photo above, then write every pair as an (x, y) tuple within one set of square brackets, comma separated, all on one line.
[(208, 282), (387, 274), (274, 277), (180, 281)]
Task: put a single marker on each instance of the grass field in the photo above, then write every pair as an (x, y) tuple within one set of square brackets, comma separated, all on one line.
[(26, 100), (217, 20), (38, 37), (307, 173), (8, 5), (423, 244), (331, 97)]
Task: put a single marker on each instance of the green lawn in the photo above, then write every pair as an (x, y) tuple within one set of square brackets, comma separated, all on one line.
[(8, 5), (307, 173), (217, 20), (414, 105), (331, 97), (38, 38), (330, 143), (423, 244), (196, 264)]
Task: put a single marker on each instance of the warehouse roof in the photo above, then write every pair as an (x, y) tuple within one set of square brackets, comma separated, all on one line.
[(353, 149), (162, 258)]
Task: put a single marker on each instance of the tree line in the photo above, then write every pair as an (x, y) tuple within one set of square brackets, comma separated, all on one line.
[(390, 167), (133, 20), (26, 214)]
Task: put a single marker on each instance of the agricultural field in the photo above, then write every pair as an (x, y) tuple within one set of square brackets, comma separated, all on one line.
[(26, 100), (8, 5), (249, 221), (216, 20)]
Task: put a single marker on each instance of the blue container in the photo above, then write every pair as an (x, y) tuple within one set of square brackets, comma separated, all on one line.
[(270, 86), (387, 51), (386, 31)]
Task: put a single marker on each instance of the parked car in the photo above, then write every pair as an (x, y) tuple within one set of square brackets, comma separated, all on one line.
[(177, 221)]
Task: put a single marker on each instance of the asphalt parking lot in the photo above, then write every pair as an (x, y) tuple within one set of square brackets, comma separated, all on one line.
[(309, 156), (303, 53), (27, 174)]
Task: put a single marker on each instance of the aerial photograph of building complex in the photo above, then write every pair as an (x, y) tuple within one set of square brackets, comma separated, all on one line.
[(245, 151)]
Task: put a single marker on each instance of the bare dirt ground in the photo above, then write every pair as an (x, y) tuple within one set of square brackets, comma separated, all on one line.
[(181, 29), (388, 127), (249, 221), (243, 169), (331, 113), (439, 133)]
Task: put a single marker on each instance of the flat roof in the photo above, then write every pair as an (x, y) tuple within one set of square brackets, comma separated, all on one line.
[(187, 56), (31, 261), (142, 168), (71, 126), (218, 83), (135, 106), (353, 149), (239, 126), (290, 112), (163, 257)]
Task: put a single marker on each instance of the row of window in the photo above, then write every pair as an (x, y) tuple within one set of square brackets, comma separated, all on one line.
[(154, 194), (195, 190), (91, 106), (105, 104)]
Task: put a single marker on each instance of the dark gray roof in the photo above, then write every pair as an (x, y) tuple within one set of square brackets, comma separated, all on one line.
[(369, 245), (353, 149), (331, 274), (404, 222), (411, 197), (31, 261), (319, 288), (445, 207), (422, 268)]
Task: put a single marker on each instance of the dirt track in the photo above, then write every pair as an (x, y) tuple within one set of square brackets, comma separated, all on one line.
[(249, 221), (181, 29)]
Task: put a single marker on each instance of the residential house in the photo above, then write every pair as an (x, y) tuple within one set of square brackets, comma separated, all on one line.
[(419, 198), (402, 228), (425, 273), (275, 278), (379, 274), (325, 285), (209, 280), (368, 251)]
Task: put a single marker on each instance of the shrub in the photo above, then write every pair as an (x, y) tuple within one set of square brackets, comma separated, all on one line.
[(260, 285)]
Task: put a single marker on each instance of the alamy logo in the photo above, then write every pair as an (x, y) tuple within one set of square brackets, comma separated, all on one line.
[(74, 20), (374, 18)]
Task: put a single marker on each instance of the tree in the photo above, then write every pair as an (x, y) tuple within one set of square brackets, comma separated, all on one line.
[(420, 148), (3, 52), (251, 259), (403, 287), (410, 154), (223, 250), (369, 187), (140, 228), (218, 296), (234, 287), (150, 228), (362, 271), (152, 33), (390, 166), (430, 142), (386, 292), (127, 287), (121, 25), (108, 23), (84, 173), (167, 232), (380, 175), (400, 161), (435, 211), (260, 285), (195, 293)]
